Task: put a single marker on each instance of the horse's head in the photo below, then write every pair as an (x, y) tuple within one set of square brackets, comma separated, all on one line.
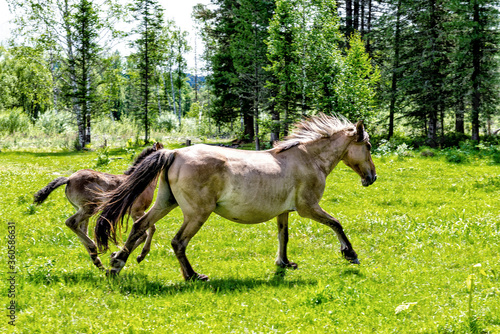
[(358, 157)]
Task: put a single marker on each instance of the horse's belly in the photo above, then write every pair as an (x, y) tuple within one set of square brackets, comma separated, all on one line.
[(253, 211)]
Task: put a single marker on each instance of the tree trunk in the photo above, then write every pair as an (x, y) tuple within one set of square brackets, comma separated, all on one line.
[(476, 70), (348, 18), (459, 117), (395, 68), (275, 128), (356, 15), (248, 121), (173, 95)]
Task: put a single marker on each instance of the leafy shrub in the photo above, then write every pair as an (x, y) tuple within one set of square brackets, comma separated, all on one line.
[(495, 156), (453, 139), (166, 122), (455, 156), (103, 157), (388, 147), (15, 121), (53, 122)]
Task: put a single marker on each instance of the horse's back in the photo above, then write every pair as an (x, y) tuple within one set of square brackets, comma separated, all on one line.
[(84, 185), (243, 186)]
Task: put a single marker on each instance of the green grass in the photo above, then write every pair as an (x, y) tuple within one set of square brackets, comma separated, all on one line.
[(420, 231)]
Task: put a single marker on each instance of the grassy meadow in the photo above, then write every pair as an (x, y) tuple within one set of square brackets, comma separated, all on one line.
[(427, 234)]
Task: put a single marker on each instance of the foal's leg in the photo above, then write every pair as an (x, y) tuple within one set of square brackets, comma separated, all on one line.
[(318, 214), (193, 221), (282, 259), (78, 223)]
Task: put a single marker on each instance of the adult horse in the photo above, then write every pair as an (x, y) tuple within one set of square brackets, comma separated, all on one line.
[(83, 189), (243, 186)]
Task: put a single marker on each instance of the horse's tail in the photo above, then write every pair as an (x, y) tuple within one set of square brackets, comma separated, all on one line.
[(43, 193), (120, 201)]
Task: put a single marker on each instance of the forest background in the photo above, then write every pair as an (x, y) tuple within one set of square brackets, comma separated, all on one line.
[(422, 73)]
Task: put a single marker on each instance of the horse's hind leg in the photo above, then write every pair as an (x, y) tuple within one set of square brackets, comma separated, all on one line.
[(318, 214), (78, 223), (192, 224), (282, 259)]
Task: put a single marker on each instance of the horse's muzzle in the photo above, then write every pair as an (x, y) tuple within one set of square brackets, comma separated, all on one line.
[(368, 180)]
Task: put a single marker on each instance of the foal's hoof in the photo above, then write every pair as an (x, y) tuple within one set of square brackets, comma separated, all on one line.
[(140, 258), (350, 255)]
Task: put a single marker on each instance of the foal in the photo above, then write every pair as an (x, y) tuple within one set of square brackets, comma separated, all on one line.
[(82, 191)]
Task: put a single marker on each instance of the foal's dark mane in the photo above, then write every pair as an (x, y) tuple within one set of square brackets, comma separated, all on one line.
[(142, 156)]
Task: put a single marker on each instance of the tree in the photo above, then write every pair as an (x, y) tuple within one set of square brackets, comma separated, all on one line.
[(83, 65), (308, 62), (25, 80), (149, 15), (70, 30), (475, 32)]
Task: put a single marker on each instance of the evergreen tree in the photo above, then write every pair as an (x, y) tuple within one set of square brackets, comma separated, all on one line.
[(149, 15)]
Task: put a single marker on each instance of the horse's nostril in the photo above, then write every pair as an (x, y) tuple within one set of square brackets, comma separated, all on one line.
[(374, 177)]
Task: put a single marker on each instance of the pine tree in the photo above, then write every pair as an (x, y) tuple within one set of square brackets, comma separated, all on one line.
[(149, 15)]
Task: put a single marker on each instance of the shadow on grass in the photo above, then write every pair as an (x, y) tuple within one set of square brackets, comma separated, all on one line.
[(142, 284)]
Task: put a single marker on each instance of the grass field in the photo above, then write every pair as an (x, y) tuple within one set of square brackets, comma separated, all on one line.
[(427, 234)]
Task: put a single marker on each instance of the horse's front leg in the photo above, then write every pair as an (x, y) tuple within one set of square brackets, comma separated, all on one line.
[(147, 245), (316, 213), (148, 237), (282, 259), (118, 259)]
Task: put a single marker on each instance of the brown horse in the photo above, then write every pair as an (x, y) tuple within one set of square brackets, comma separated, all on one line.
[(83, 189), (243, 186)]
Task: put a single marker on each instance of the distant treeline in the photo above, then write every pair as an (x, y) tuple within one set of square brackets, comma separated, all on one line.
[(424, 70)]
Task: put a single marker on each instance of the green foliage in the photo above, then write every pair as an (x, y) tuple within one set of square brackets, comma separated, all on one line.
[(102, 157), (53, 122), (15, 121), (308, 61), (26, 80), (455, 156), (166, 122)]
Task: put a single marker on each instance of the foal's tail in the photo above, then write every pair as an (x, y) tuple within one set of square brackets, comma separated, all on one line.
[(120, 201), (43, 193)]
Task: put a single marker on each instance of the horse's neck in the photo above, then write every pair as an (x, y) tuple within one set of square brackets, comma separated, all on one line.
[(327, 152)]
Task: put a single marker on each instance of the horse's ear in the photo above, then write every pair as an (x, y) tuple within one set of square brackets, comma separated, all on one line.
[(155, 146), (360, 131)]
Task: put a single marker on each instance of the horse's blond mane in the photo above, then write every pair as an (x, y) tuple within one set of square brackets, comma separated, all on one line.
[(314, 128)]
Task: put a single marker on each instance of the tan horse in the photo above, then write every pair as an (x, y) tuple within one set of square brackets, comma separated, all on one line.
[(82, 191), (243, 186)]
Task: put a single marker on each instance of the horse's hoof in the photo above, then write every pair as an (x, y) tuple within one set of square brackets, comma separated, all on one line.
[(292, 265), (112, 255), (201, 277), (140, 258), (198, 277), (111, 273)]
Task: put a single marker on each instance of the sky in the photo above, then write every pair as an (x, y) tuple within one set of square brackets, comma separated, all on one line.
[(176, 10)]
